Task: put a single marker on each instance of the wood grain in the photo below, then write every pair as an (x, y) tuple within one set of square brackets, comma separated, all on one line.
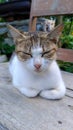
[(18, 112), (65, 55)]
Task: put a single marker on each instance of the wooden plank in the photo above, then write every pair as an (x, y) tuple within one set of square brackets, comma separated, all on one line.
[(2, 127), (51, 7), (32, 24), (18, 112), (65, 55)]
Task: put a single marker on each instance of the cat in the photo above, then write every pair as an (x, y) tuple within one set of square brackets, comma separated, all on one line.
[(48, 25), (33, 67)]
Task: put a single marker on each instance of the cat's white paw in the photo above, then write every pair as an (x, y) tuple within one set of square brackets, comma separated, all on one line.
[(52, 94), (29, 92)]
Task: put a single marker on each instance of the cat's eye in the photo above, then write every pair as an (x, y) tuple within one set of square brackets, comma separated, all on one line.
[(23, 55), (49, 54)]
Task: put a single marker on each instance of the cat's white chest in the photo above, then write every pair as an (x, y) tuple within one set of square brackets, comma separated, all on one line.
[(41, 82), (24, 78)]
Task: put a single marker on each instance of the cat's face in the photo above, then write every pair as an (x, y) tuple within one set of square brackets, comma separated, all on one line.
[(49, 25), (36, 50)]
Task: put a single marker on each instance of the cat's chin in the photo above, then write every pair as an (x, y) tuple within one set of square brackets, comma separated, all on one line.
[(38, 71)]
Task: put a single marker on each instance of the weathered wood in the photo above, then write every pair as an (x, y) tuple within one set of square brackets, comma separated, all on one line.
[(2, 127), (18, 112), (65, 55), (32, 24), (51, 7)]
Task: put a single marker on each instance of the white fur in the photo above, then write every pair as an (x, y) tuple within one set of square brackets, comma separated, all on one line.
[(47, 82)]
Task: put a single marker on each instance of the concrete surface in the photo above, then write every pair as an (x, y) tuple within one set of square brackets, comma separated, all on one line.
[(18, 112)]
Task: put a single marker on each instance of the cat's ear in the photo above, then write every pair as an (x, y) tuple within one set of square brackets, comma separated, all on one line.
[(54, 35), (15, 33)]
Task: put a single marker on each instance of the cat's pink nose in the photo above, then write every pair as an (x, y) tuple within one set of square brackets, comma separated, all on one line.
[(37, 66)]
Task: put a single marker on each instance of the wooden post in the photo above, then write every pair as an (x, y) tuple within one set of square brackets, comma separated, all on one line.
[(32, 24), (60, 19)]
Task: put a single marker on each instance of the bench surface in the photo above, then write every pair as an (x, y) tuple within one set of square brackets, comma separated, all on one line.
[(18, 112)]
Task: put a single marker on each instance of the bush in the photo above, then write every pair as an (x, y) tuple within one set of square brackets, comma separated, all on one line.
[(67, 41), (66, 66), (2, 1), (5, 48), (67, 36), (8, 50)]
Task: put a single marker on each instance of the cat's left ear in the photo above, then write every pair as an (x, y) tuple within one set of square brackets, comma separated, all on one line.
[(15, 33), (54, 35)]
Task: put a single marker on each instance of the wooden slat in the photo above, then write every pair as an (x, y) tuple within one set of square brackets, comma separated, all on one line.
[(32, 24), (17, 112), (65, 55), (2, 127), (51, 7), (48, 7)]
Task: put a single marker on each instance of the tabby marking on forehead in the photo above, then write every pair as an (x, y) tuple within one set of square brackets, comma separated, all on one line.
[(24, 46)]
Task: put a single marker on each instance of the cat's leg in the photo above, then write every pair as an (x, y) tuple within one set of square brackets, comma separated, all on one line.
[(56, 93), (29, 92)]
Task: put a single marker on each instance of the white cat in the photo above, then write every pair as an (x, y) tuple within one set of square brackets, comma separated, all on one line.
[(33, 67)]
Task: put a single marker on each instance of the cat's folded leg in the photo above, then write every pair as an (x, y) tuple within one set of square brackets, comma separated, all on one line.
[(29, 92), (57, 93)]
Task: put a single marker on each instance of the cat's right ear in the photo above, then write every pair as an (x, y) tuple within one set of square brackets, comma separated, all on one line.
[(15, 33), (55, 33)]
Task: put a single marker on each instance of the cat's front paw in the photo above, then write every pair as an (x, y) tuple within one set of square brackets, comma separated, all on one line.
[(53, 94), (29, 92)]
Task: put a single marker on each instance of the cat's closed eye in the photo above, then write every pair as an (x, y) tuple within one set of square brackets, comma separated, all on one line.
[(49, 54), (23, 55)]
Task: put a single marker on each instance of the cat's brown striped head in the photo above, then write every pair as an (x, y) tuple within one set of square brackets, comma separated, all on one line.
[(39, 46)]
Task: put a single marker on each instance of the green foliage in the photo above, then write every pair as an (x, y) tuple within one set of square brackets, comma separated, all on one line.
[(67, 41), (5, 48), (1, 44), (2, 1), (66, 66), (2, 20), (67, 36)]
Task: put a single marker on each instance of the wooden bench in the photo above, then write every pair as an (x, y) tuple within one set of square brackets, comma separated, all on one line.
[(49, 8)]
